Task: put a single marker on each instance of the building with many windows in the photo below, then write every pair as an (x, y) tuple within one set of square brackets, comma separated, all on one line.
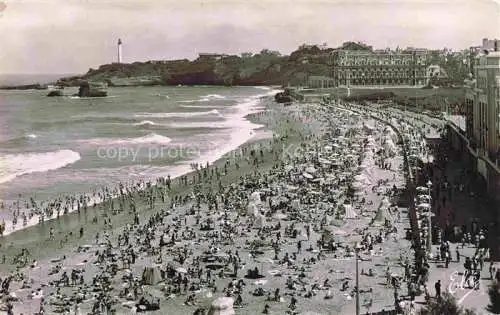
[(379, 68), (489, 44), (483, 106)]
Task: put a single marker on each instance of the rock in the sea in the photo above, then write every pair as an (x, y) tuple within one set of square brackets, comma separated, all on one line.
[(92, 89), (288, 96), (55, 93)]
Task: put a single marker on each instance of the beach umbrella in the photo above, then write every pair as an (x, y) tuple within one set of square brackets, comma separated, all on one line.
[(426, 214), (280, 216), (339, 232), (181, 270), (324, 161), (424, 199), (274, 272), (222, 306), (221, 255), (151, 276), (310, 170), (424, 206), (255, 197), (307, 175), (349, 212), (288, 168), (422, 189), (358, 185)]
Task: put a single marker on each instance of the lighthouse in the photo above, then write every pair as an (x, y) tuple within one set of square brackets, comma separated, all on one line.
[(119, 50)]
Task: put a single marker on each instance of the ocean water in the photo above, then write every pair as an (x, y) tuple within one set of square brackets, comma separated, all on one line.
[(54, 147), (20, 79)]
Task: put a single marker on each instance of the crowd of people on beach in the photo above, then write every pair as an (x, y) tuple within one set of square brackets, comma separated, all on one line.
[(269, 241), (192, 246)]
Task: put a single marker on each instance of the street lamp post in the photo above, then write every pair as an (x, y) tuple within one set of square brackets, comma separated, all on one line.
[(356, 250), (429, 219)]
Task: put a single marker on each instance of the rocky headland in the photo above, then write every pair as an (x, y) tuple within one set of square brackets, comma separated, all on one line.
[(264, 68)]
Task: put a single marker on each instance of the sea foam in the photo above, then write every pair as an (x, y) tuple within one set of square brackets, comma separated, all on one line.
[(144, 123), (242, 129), (203, 106), (151, 138), (14, 165), (178, 114)]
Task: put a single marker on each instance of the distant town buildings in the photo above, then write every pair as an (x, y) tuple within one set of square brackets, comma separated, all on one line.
[(379, 68), (159, 62), (489, 44), (213, 57)]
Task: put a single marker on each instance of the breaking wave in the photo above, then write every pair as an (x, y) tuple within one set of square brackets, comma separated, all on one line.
[(21, 139), (151, 138), (145, 123), (203, 106), (206, 98), (14, 165), (178, 114), (211, 97)]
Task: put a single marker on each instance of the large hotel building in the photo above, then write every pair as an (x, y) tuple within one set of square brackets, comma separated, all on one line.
[(379, 68)]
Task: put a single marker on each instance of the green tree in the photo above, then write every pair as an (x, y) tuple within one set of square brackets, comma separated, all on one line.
[(447, 304), (494, 293), (164, 78)]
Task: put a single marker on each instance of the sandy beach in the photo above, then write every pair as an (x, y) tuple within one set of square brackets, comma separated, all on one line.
[(293, 207)]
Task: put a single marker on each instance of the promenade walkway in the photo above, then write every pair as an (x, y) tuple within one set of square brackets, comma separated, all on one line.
[(462, 206)]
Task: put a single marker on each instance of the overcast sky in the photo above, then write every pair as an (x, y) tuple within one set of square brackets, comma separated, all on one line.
[(70, 36)]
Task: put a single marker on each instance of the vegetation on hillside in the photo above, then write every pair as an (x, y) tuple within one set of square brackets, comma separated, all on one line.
[(456, 68)]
